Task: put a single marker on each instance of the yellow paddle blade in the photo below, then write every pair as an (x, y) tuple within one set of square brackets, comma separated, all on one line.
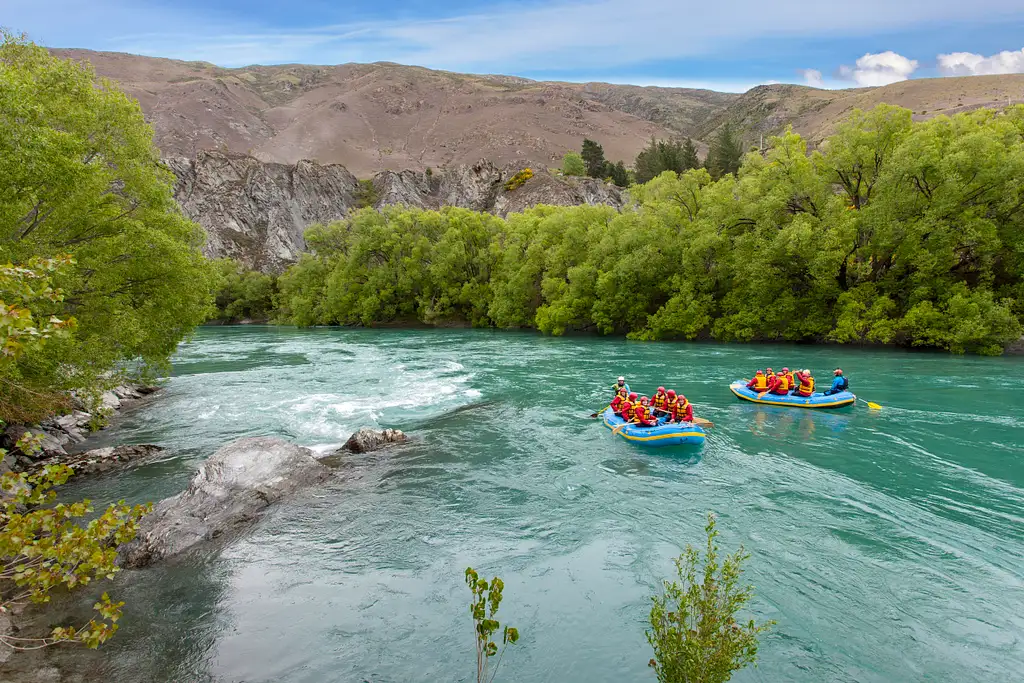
[(874, 406), (700, 421)]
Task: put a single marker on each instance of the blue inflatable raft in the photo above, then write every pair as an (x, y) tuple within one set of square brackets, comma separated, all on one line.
[(815, 400), (675, 434)]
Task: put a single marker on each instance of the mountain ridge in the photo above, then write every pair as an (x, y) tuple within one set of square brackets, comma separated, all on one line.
[(387, 116)]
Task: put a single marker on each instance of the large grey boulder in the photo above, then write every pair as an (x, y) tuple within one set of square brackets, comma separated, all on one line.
[(230, 491), (366, 440)]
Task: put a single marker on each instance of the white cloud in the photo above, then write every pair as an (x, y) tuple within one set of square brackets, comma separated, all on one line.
[(971, 64), (882, 68), (813, 78)]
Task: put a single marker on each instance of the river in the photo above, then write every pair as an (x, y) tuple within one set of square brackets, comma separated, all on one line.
[(888, 546)]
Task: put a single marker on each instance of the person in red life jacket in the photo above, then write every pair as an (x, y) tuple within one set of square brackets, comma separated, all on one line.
[(792, 379), (781, 384), (682, 410), (806, 387), (759, 383), (616, 404), (642, 414), (658, 402), (626, 408)]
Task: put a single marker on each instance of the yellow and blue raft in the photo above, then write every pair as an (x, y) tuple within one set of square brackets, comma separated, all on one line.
[(665, 434)]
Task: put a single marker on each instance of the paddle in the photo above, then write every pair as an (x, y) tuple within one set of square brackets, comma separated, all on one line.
[(701, 422), (601, 411), (623, 425), (872, 406)]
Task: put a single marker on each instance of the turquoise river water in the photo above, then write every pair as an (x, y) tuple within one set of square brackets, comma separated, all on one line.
[(888, 546)]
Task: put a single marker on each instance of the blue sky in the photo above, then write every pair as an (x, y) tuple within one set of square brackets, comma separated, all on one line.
[(727, 45)]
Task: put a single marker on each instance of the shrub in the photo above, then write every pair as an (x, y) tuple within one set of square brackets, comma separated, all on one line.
[(484, 607), (518, 180), (694, 632), (573, 164)]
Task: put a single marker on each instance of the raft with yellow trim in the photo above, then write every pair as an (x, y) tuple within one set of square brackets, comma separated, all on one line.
[(665, 434), (815, 400)]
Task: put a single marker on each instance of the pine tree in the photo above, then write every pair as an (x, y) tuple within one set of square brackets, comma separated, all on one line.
[(688, 158), (725, 153), (593, 157), (619, 174)]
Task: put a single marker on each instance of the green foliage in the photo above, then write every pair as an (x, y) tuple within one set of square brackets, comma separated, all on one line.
[(618, 173), (593, 157), (518, 180), (366, 194), (694, 632), (81, 182), (484, 608), (665, 155), (573, 164), (242, 294), (894, 232), (725, 153), (42, 548)]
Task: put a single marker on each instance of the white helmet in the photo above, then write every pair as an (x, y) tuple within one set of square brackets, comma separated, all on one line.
[(621, 378)]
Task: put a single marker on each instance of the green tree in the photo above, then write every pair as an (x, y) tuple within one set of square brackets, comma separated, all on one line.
[(484, 608), (694, 632), (619, 174), (593, 158), (688, 156), (573, 164), (931, 254), (242, 294), (41, 545), (79, 176), (725, 152)]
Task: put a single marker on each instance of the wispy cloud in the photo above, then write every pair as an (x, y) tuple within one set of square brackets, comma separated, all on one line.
[(971, 64), (882, 68), (813, 78)]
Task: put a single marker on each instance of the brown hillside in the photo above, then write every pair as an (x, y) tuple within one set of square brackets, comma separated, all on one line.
[(372, 117)]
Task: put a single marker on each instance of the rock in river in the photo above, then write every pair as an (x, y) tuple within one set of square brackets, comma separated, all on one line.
[(366, 440), (230, 490)]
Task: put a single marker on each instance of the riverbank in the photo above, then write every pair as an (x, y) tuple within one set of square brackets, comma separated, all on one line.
[(63, 435)]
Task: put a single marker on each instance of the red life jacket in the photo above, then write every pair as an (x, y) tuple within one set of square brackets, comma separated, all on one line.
[(671, 406), (641, 415)]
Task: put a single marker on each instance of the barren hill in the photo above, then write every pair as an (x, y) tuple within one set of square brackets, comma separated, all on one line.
[(371, 117)]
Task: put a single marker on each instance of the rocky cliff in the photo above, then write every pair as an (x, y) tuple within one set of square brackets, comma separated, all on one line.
[(256, 212)]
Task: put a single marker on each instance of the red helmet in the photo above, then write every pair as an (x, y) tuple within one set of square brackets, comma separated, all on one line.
[(632, 397), (644, 399), (671, 393), (661, 390), (785, 369), (759, 372), (623, 392), (769, 370)]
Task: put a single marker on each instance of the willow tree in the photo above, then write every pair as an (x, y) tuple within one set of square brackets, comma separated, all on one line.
[(80, 177)]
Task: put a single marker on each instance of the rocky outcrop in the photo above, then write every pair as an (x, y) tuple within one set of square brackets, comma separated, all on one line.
[(1016, 348), (366, 440), (61, 434), (101, 460), (229, 492), (256, 212)]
